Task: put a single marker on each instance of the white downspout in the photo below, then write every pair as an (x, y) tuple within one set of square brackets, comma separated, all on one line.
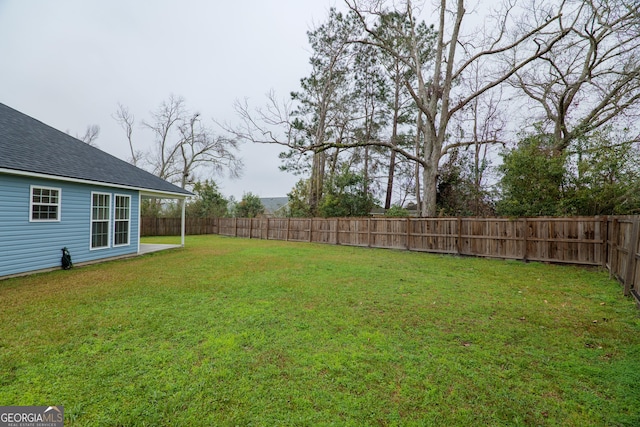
[(183, 222), (139, 218)]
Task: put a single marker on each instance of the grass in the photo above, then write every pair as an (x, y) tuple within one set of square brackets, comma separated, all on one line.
[(244, 332)]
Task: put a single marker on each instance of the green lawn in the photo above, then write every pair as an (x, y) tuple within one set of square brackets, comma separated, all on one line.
[(251, 332)]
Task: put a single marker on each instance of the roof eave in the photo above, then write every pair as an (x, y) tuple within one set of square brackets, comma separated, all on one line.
[(163, 194), (144, 191)]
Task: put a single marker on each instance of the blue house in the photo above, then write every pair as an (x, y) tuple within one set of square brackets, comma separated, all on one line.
[(57, 191)]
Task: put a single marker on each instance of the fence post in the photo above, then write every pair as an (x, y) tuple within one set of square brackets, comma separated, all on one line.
[(408, 233), (369, 232), (525, 234), (235, 227), (631, 259), (310, 230), (288, 222), (459, 243), (250, 227), (337, 231), (613, 248), (267, 237), (604, 229)]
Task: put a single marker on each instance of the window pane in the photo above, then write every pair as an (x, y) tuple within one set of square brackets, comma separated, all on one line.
[(121, 233), (51, 212), (122, 214), (100, 220), (45, 204), (100, 208), (122, 207), (100, 234)]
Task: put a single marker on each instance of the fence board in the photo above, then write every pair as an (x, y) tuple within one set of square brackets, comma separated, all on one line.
[(632, 258)]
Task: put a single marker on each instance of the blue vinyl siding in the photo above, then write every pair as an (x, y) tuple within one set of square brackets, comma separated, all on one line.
[(29, 246)]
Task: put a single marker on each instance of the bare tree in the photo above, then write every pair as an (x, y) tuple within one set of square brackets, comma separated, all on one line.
[(90, 135), (433, 63), (433, 82), (126, 120), (477, 126), (182, 144), (199, 147), (164, 124), (592, 76)]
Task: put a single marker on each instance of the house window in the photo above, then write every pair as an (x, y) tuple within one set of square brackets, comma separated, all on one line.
[(122, 218), (100, 217), (45, 204)]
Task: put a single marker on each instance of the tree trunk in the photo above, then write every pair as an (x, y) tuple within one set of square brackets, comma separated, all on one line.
[(317, 180), (430, 188), (394, 134), (432, 147), (366, 170), (418, 155), (392, 171)]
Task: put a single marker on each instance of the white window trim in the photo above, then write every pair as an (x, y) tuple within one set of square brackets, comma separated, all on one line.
[(115, 196), (108, 246), (59, 204)]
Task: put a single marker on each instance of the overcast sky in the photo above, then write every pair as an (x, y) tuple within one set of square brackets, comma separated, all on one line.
[(68, 63)]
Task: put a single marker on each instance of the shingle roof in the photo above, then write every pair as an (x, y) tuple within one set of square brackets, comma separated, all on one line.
[(272, 204), (28, 145)]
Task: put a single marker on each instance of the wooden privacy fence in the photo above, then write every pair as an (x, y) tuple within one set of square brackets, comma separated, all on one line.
[(150, 226), (608, 242)]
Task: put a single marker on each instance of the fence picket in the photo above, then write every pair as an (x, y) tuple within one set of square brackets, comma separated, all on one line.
[(632, 258)]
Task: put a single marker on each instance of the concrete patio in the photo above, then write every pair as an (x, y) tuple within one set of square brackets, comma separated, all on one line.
[(147, 248)]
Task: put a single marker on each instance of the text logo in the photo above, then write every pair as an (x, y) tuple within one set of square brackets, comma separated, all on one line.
[(31, 416)]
